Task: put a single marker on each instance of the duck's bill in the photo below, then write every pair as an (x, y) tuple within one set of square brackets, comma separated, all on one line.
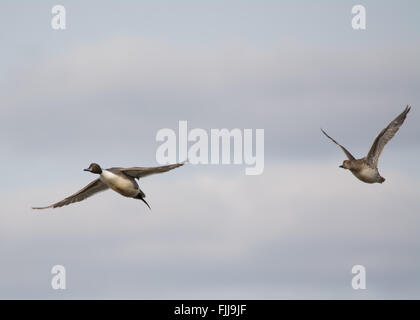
[(341, 166), (88, 169)]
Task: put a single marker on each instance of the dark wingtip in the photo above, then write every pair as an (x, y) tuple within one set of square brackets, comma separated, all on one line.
[(42, 208), (406, 110), (180, 164)]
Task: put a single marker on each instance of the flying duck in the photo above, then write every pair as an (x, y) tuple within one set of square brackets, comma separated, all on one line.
[(366, 169), (121, 180)]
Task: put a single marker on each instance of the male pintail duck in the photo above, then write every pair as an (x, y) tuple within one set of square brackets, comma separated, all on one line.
[(366, 169), (121, 180)]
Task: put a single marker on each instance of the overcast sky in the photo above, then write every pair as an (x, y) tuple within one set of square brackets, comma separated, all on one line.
[(101, 89)]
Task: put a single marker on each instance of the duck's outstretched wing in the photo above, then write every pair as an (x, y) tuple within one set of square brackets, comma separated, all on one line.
[(348, 154), (88, 191), (141, 172), (383, 137)]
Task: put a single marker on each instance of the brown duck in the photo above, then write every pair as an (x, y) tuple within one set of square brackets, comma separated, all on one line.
[(366, 169)]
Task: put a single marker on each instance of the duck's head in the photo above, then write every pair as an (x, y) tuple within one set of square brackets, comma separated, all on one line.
[(94, 168), (345, 165)]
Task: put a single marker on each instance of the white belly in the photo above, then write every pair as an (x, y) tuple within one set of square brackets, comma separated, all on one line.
[(122, 185)]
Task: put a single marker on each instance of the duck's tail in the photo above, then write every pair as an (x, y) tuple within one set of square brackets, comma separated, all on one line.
[(141, 196)]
